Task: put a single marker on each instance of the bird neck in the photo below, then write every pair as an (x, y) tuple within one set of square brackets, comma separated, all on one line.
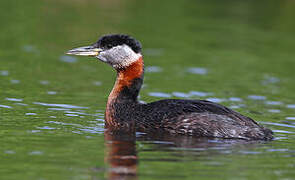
[(126, 89)]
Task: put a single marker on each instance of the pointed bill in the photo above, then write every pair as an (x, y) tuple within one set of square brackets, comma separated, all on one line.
[(85, 51)]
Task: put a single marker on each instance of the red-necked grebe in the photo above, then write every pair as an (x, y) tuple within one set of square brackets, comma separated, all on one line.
[(187, 117)]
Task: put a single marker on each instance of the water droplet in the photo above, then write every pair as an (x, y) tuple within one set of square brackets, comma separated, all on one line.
[(198, 70)]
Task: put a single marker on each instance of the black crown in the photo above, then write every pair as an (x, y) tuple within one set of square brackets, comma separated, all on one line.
[(112, 40)]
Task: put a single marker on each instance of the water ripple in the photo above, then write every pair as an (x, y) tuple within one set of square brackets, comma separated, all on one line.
[(278, 124), (97, 83), (14, 81), (46, 128), (198, 70), (35, 153), (66, 124), (180, 94), (235, 99), (215, 100), (14, 99), (4, 73), (21, 104), (273, 103), (30, 114), (159, 94), (68, 59), (9, 152), (153, 52), (200, 94), (75, 112), (61, 105), (153, 69), (93, 130), (5, 106), (282, 131), (72, 115), (51, 92), (278, 150), (44, 82), (256, 97), (291, 106), (58, 109), (274, 110)]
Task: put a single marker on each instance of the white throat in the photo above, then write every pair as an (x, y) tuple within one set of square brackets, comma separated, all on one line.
[(119, 56)]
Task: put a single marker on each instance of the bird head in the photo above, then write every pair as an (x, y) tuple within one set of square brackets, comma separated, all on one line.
[(117, 50)]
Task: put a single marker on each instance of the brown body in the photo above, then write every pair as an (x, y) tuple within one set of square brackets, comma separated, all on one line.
[(177, 116), (187, 117)]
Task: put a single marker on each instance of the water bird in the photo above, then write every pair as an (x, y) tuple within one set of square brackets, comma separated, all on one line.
[(199, 118)]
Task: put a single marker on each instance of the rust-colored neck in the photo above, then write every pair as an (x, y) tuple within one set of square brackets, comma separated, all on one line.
[(125, 90)]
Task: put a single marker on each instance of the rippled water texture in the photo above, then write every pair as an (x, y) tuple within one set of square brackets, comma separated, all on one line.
[(234, 52)]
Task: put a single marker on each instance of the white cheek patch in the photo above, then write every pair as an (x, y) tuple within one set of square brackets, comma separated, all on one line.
[(119, 56)]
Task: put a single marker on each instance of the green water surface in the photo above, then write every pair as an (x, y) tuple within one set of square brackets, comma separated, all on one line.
[(235, 52)]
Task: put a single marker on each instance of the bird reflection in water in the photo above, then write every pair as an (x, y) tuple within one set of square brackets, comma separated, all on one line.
[(121, 155)]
